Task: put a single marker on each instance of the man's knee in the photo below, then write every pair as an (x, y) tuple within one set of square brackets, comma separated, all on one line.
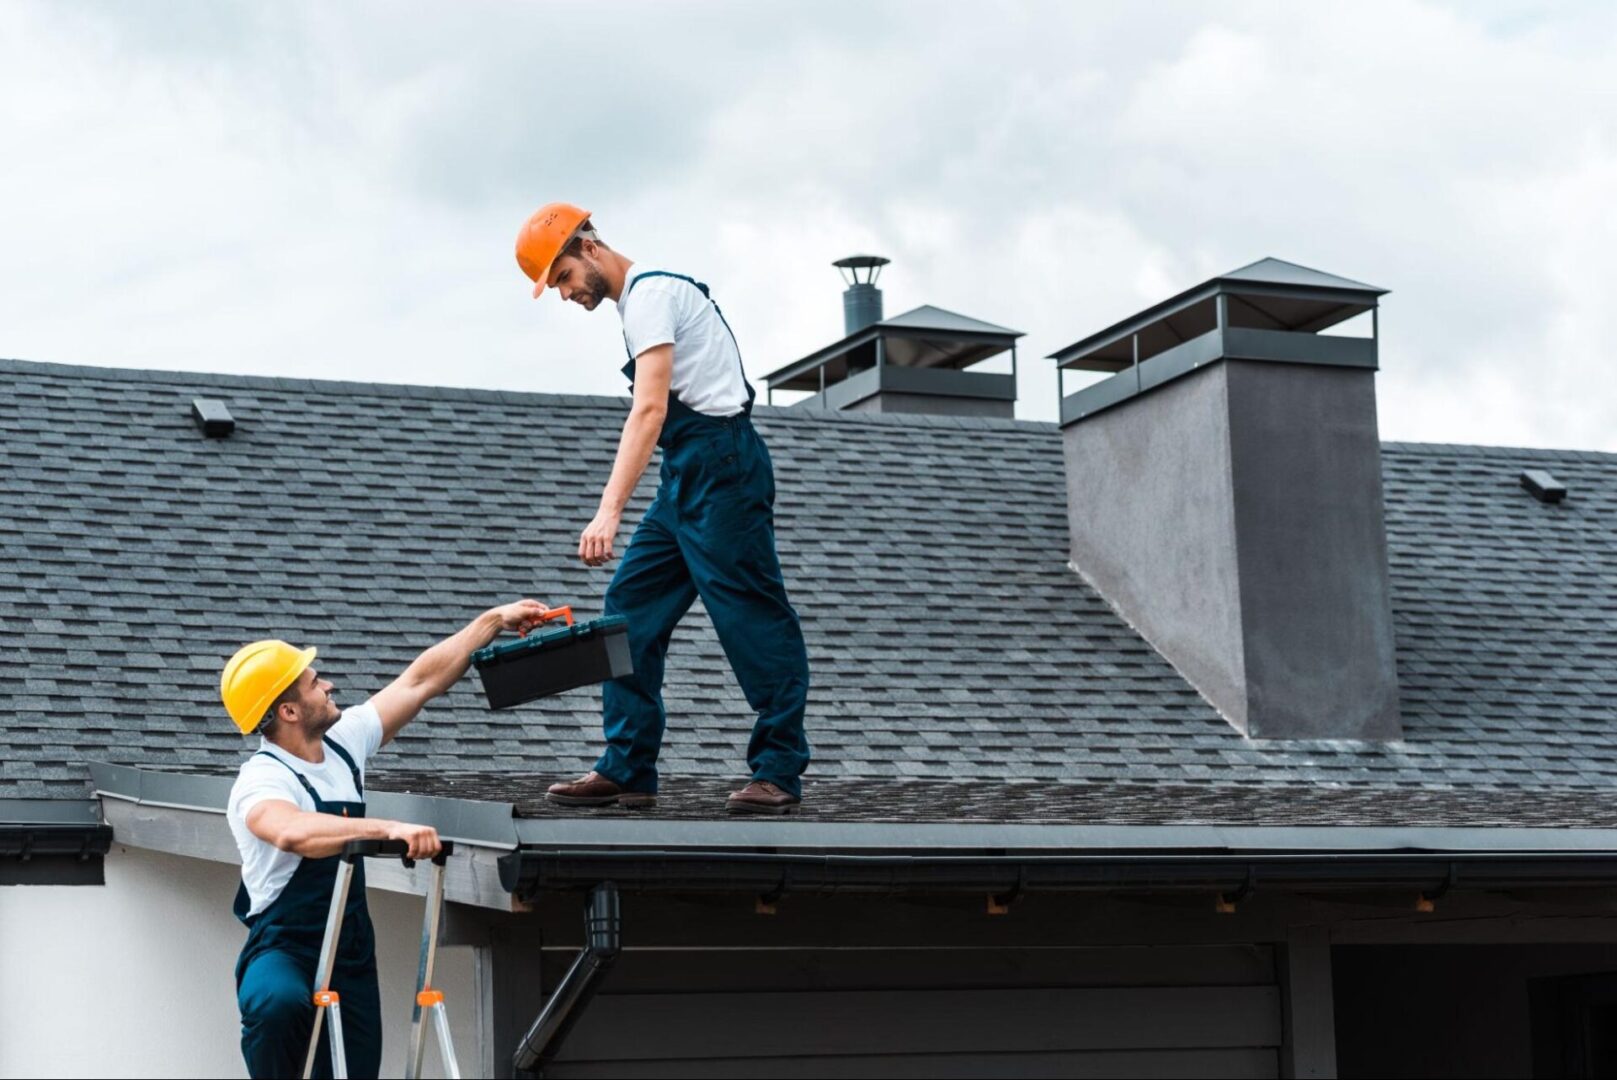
[(275, 995), (283, 1005)]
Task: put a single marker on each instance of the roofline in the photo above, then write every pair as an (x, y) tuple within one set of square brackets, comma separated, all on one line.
[(487, 824), (213, 380), (1548, 453), (280, 383), (779, 414), (494, 824), (650, 834)]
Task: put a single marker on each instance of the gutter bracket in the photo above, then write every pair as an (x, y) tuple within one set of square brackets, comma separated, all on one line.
[(1426, 900), (1000, 904), (1226, 902), (767, 900), (603, 931)]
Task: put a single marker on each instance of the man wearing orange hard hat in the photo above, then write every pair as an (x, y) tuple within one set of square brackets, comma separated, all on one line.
[(295, 803), (710, 531)]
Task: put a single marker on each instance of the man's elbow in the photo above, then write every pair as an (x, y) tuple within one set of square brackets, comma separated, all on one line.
[(649, 413), (290, 838)]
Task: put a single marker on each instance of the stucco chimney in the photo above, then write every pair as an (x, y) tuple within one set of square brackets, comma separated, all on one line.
[(1224, 494)]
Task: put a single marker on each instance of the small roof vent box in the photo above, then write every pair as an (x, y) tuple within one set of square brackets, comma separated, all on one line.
[(1543, 485), (212, 417)]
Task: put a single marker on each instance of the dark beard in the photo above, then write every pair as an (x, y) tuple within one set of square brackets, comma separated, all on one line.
[(329, 724), (595, 285)]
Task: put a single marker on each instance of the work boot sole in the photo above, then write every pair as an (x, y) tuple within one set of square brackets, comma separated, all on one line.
[(745, 806), (628, 800)]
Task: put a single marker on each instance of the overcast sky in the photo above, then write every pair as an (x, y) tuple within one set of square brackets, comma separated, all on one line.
[(334, 188)]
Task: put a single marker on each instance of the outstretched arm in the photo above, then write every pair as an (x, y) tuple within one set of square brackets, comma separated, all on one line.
[(441, 666)]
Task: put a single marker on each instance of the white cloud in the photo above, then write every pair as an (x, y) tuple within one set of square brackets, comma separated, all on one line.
[(333, 188)]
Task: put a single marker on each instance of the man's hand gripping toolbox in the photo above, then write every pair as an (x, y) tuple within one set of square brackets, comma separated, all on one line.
[(549, 661)]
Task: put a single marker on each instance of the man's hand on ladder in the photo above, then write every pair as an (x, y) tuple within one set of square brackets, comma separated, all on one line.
[(423, 839)]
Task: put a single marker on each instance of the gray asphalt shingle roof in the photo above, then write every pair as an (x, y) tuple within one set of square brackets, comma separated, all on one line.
[(927, 557)]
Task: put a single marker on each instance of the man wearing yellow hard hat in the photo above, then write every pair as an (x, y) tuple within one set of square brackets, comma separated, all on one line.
[(710, 532), (295, 803)]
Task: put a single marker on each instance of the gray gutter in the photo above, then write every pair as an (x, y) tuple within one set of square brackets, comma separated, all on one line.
[(184, 814), (529, 871), (485, 824), (774, 857), (52, 842), (49, 811)]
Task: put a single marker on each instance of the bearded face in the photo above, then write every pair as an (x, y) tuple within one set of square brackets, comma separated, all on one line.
[(580, 279)]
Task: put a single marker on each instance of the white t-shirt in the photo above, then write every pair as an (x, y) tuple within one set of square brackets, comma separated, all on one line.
[(265, 868), (707, 365)]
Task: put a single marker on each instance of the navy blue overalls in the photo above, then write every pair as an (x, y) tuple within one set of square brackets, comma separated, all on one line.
[(710, 532), (275, 974)]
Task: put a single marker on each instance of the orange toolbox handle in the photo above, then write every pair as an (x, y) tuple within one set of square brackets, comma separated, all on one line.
[(563, 612)]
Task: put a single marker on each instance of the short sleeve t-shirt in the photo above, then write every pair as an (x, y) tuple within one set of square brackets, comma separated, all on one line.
[(265, 868), (707, 365)]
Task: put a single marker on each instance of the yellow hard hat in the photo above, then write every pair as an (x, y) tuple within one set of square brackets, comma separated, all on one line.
[(255, 677)]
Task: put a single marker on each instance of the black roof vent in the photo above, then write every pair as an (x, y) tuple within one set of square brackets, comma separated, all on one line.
[(212, 417), (1543, 486)]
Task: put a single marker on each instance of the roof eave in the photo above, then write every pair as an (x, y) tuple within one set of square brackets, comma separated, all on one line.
[(531, 870)]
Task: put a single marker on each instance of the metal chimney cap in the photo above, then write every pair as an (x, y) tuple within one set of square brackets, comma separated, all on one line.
[(851, 268), (861, 262)]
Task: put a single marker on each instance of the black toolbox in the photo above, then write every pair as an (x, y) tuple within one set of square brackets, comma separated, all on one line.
[(547, 662)]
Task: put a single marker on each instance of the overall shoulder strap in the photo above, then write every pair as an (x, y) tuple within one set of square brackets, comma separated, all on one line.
[(304, 780), (359, 785), (707, 294), (638, 278)]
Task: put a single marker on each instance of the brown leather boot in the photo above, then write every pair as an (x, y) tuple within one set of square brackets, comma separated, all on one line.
[(761, 797), (593, 789)]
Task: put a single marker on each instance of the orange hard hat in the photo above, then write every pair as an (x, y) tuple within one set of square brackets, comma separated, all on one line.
[(543, 236)]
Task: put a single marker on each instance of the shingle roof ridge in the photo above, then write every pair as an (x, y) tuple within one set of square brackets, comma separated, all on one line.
[(356, 386), (509, 397), (1545, 453)]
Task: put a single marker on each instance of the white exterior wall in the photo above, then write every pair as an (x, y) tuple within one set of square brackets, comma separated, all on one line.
[(136, 978)]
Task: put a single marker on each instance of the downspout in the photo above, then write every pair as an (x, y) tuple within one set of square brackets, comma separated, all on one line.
[(603, 926)]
